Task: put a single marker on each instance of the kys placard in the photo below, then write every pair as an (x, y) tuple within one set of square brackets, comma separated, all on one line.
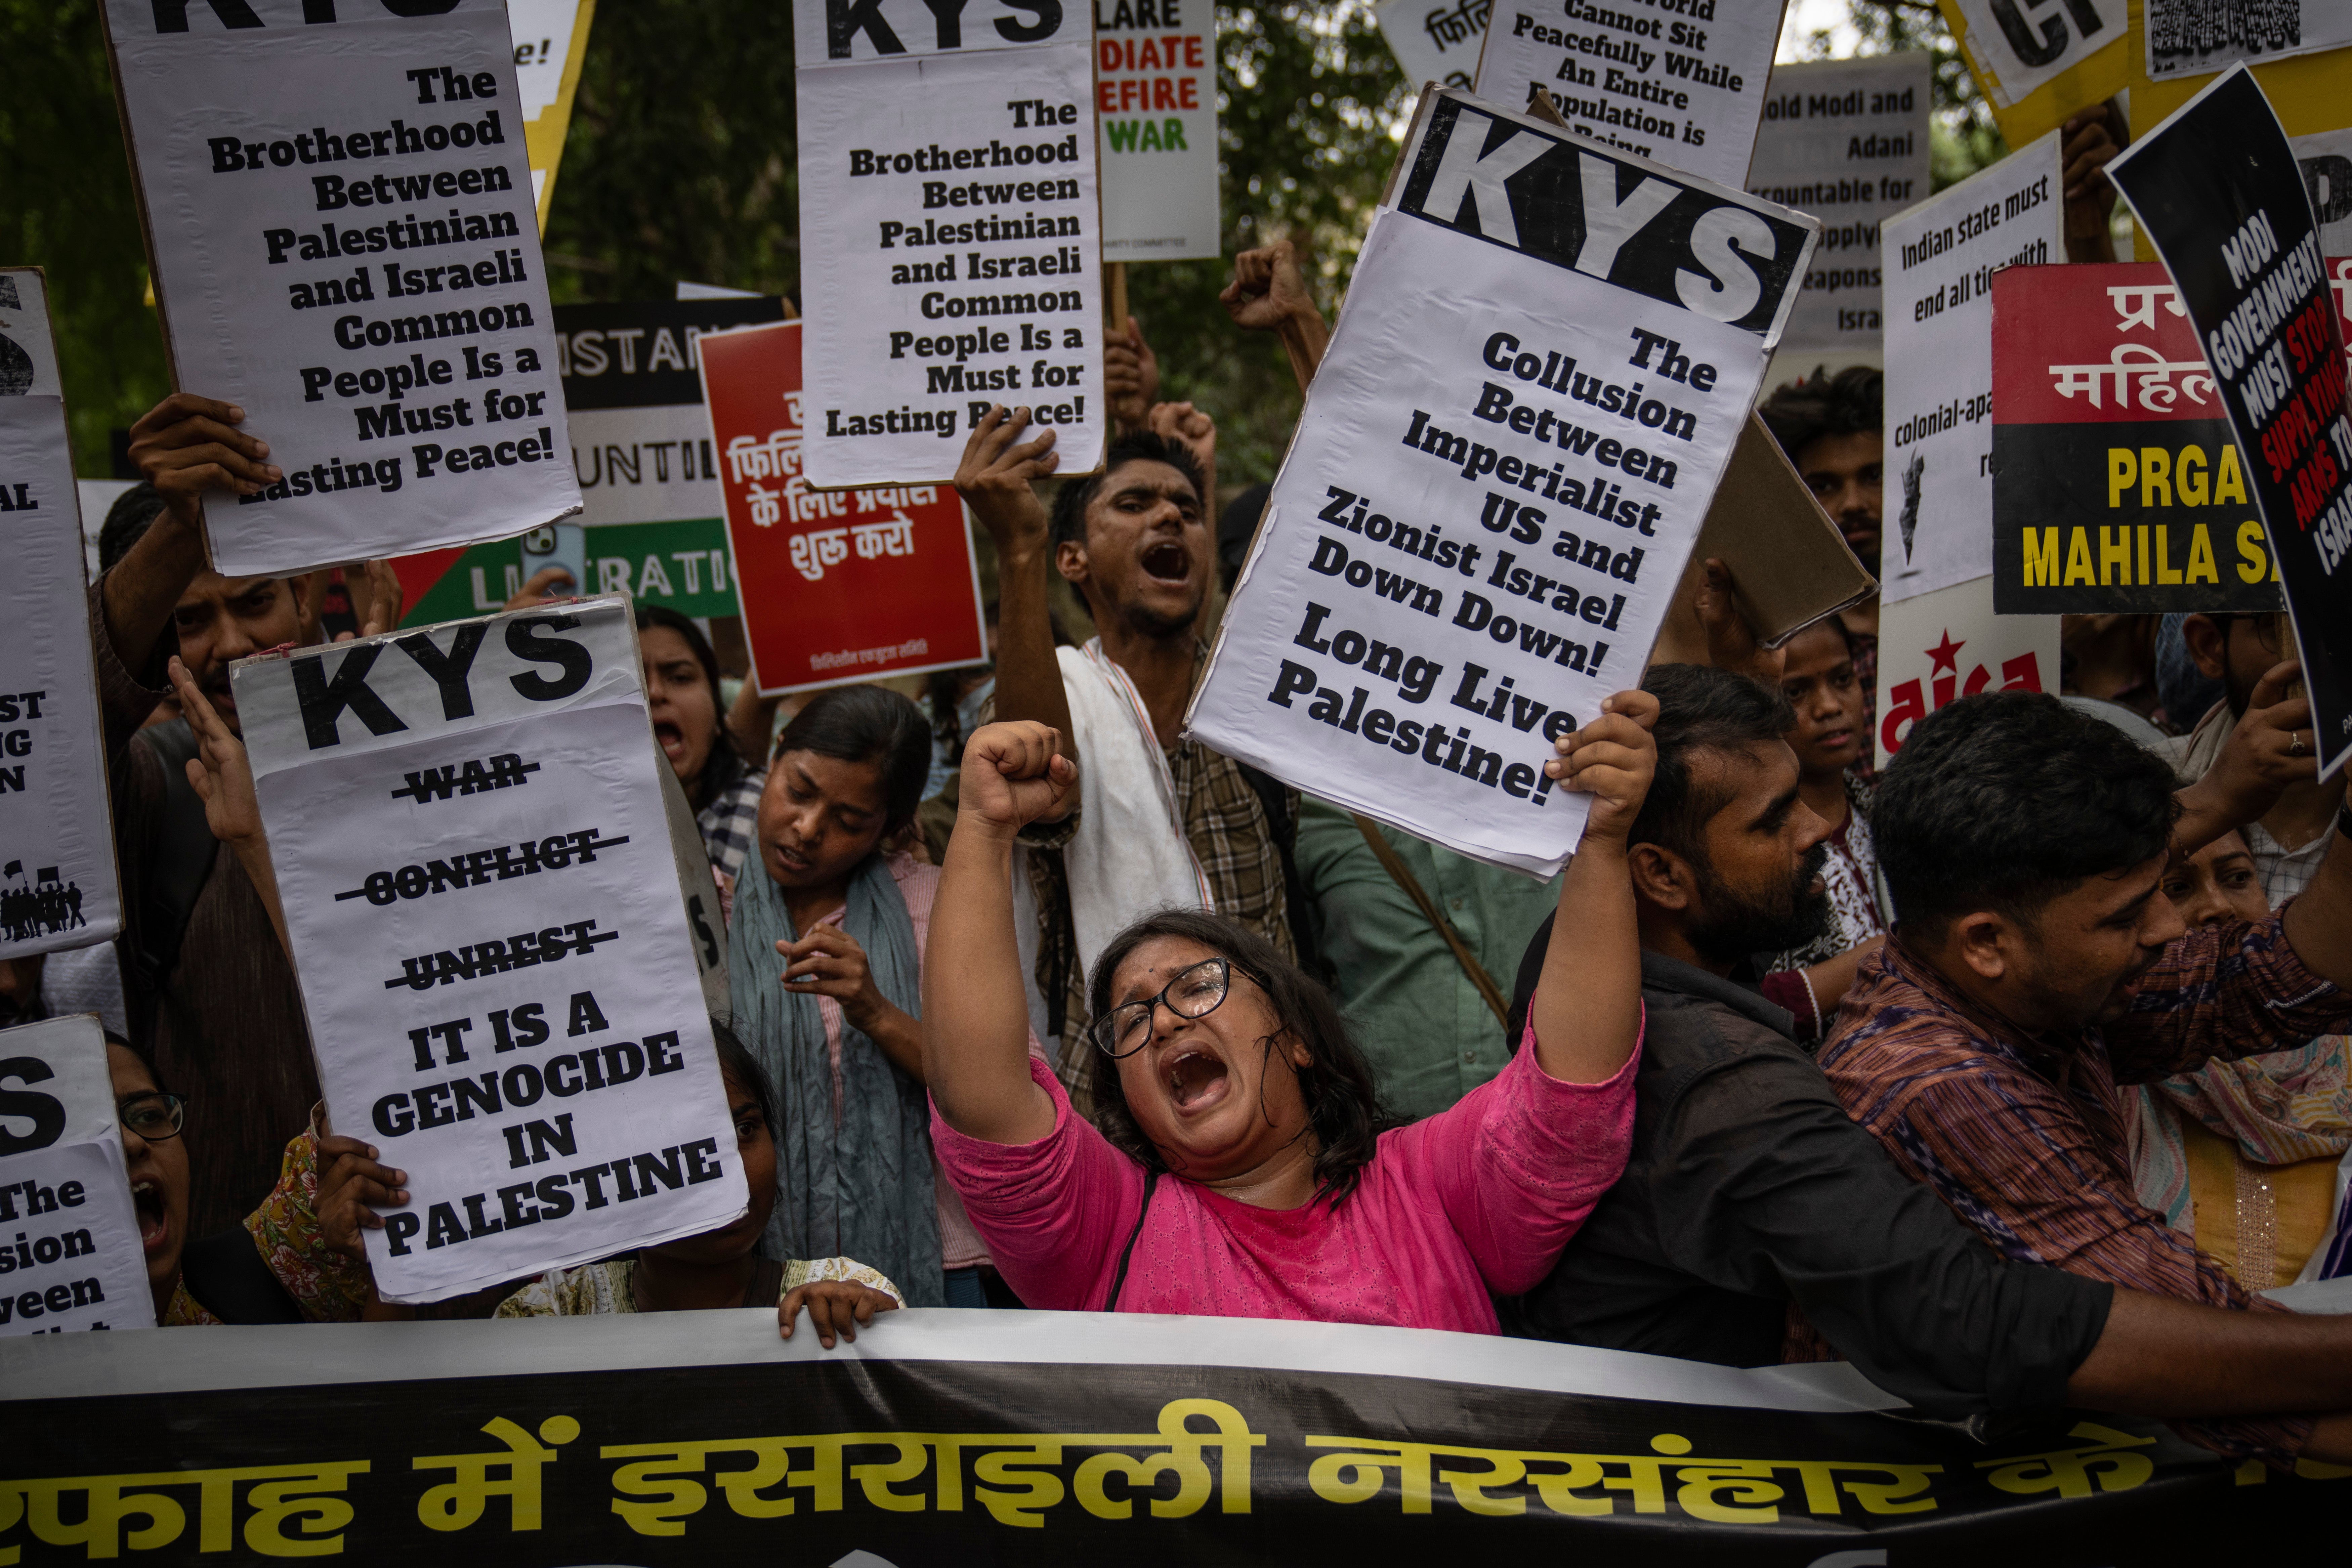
[(950, 232), (469, 840), (1546, 357), (338, 210)]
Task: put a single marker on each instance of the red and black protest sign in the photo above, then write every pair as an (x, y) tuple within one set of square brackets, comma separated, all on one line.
[(2117, 481), (2219, 190)]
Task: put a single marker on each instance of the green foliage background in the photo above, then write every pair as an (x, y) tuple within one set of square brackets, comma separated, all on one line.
[(681, 164)]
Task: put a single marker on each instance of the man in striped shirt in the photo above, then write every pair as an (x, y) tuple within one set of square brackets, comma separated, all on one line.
[(2035, 965)]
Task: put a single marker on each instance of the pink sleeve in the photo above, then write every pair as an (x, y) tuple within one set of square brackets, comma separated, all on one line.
[(1053, 1214), (1518, 1162)]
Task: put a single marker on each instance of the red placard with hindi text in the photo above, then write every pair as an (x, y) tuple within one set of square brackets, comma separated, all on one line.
[(838, 586)]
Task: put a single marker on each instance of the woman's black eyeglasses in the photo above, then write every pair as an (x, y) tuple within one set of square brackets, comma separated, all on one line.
[(154, 1117), (1195, 993)]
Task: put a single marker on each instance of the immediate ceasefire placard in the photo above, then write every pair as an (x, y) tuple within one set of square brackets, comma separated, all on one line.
[(1546, 355), (951, 231), (1156, 89), (1681, 82), (57, 885), (497, 967), (1937, 260), (70, 1254), (338, 210), (2219, 190)]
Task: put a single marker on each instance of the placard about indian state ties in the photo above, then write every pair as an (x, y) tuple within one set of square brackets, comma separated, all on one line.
[(495, 961), (339, 211), (1678, 81), (1845, 140), (1546, 355), (839, 586), (1938, 262), (2219, 189), (57, 883), (951, 234), (72, 1233), (2117, 481)]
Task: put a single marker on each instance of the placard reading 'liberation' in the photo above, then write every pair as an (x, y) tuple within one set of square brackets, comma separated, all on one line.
[(339, 214), (497, 966), (952, 231), (1546, 355)]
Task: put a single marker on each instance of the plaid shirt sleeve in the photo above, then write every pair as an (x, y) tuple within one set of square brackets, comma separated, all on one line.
[(730, 824), (2225, 991), (2012, 1155)]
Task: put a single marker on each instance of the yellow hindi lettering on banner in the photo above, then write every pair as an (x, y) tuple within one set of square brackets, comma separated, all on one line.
[(276, 1496)]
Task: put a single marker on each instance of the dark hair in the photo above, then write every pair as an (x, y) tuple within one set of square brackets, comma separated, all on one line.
[(2005, 800), (1851, 402), (1342, 1100), (134, 511), (1700, 708), (868, 724), (725, 765), (1835, 622), (736, 1061), (1070, 503)]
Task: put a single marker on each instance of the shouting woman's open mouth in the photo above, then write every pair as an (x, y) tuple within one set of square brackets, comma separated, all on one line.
[(154, 1226), (1195, 1077)]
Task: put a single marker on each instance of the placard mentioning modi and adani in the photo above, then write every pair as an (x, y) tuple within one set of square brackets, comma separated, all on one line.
[(71, 1254), (339, 211), (1678, 81), (1938, 262), (496, 964), (952, 231), (57, 883), (1546, 355)]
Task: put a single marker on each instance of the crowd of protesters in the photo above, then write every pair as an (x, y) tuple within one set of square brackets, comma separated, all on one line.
[(1961, 1069)]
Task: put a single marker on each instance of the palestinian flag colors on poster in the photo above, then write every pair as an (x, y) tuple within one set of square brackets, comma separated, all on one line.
[(2118, 485)]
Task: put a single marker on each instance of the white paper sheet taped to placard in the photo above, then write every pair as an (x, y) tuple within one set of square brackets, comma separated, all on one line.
[(70, 1253), (951, 233), (497, 971), (57, 882), (340, 219), (1546, 357), (1155, 89), (1680, 84), (2024, 43), (1937, 260), (1845, 140)]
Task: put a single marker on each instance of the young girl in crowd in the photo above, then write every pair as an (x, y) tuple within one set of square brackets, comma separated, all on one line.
[(681, 675), (1240, 1169), (1831, 735), (837, 1027)]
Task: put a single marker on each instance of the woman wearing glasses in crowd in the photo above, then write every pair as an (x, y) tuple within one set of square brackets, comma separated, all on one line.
[(1238, 1166)]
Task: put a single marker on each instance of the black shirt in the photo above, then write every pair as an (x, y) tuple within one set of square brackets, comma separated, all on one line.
[(1748, 1187)]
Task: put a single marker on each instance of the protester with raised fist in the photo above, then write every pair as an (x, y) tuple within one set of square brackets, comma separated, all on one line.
[(1238, 1165), (210, 996)]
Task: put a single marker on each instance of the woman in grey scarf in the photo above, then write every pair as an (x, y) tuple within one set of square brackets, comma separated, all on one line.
[(826, 948)]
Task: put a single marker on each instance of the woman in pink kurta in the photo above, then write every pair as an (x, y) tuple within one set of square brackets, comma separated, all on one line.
[(1235, 1166)]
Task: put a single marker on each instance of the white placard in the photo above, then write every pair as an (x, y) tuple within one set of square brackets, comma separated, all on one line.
[(2198, 37), (1937, 260), (542, 42), (1845, 140), (29, 351), (341, 217), (499, 976), (57, 885), (2024, 43), (2326, 163), (1155, 89), (70, 1257), (1546, 357), (1435, 42), (1935, 647), (951, 233), (1680, 82)]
